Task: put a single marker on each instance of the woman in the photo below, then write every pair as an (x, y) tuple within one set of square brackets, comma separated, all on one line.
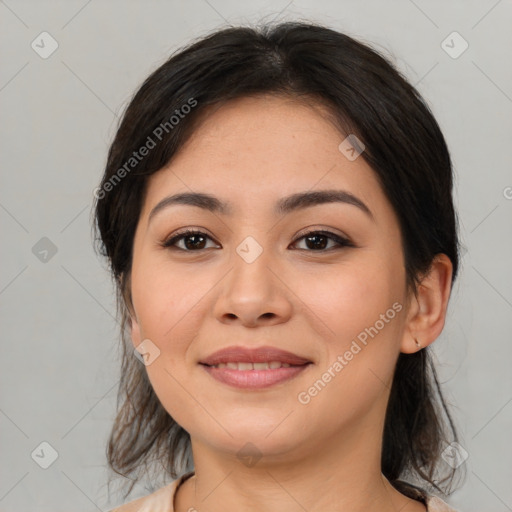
[(277, 212)]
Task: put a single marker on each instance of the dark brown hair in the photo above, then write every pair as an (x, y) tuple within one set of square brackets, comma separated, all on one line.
[(366, 96)]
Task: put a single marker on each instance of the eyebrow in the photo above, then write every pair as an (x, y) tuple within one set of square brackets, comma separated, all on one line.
[(284, 206)]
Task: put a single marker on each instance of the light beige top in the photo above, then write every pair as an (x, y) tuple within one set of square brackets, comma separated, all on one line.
[(162, 500)]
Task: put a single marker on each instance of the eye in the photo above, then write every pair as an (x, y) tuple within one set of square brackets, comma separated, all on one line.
[(317, 239), (194, 240)]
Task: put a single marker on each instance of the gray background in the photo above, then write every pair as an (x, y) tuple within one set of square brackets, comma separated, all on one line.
[(59, 370)]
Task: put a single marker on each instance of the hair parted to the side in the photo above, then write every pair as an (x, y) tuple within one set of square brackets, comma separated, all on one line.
[(365, 95)]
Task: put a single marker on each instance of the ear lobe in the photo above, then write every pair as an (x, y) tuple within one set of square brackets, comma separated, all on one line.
[(427, 312)]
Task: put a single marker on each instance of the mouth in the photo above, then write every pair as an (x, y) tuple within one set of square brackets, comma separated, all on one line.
[(254, 376), (254, 368)]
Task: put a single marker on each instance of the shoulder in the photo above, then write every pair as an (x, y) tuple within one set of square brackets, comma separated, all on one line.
[(435, 504), (432, 503), (161, 500)]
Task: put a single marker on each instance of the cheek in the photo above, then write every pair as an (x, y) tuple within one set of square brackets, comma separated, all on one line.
[(360, 310), (347, 299), (162, 297), (172, 304), (169, 309)]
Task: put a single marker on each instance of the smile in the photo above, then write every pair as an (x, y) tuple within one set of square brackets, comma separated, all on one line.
[(254, 375)]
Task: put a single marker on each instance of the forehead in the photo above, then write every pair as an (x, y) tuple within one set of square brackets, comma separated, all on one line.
[(251, 152)]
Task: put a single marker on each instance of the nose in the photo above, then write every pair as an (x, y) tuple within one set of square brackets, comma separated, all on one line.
[(253, 294)]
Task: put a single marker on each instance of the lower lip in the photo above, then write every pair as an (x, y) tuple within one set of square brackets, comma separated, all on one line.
[(254, 379)]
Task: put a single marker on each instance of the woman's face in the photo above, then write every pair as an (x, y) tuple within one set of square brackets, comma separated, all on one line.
[(252, 278)]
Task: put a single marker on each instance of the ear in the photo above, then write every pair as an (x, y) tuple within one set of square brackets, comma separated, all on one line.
[(135, 331), (125, 282), (427, 311)]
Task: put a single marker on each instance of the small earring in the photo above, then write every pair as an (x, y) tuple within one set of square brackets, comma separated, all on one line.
[(418, 344)]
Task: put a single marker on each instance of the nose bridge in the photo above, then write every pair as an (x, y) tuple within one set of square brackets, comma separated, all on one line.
[(251, 276), (251, 290)]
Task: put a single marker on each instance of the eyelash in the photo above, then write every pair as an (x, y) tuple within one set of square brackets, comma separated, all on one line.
[(343, 242)]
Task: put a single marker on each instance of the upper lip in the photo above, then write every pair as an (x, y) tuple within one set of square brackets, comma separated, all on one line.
[(238, 354)]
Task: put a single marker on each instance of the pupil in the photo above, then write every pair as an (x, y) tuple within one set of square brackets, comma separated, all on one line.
[(322, 245), (193, 245)]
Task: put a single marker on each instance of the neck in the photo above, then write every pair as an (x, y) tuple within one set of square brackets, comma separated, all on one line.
[(314, 479)]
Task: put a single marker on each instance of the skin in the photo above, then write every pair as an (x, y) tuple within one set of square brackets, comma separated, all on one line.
[(323, 455)]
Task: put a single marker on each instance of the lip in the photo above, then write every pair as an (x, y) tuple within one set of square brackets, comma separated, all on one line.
[(254, 379), (239, 354)]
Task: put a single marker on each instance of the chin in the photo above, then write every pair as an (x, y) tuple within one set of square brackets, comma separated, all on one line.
[(247, 441)]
